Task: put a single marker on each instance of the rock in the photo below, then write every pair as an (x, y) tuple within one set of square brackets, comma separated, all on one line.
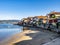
[(25, 28)]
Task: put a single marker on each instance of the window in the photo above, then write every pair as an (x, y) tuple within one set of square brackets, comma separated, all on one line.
[(52, 16)]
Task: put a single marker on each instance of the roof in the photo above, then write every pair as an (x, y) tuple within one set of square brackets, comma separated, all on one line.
[(54, 13), (44, 17)]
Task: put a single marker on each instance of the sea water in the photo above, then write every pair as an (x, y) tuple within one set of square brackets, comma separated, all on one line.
[(7, 30)]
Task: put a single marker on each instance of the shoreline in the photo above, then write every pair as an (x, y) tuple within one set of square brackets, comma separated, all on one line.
[(30, 37), (17, 38)]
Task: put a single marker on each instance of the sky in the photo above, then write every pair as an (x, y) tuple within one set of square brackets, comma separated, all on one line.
[(18, 9)]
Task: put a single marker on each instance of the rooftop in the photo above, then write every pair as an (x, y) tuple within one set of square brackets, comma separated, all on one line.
[(54, 13), (44, 17)]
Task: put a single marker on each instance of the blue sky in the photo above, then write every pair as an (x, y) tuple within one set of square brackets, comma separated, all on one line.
[(17, 9)]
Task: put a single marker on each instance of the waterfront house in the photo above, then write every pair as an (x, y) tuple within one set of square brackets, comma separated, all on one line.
[(34, 21), (30, 21), (43, 18), (37, 20), (26, 21), (53, 17), (23, 21)]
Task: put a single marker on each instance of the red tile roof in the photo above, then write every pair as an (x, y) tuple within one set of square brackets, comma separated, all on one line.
[(55, 13), (44, 17)]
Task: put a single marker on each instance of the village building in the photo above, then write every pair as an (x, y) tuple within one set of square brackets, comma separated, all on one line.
[(53, 17), (38, 20), (42, 18)]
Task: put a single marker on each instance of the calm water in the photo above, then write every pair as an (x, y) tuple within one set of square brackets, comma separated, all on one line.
[(7, 30)]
